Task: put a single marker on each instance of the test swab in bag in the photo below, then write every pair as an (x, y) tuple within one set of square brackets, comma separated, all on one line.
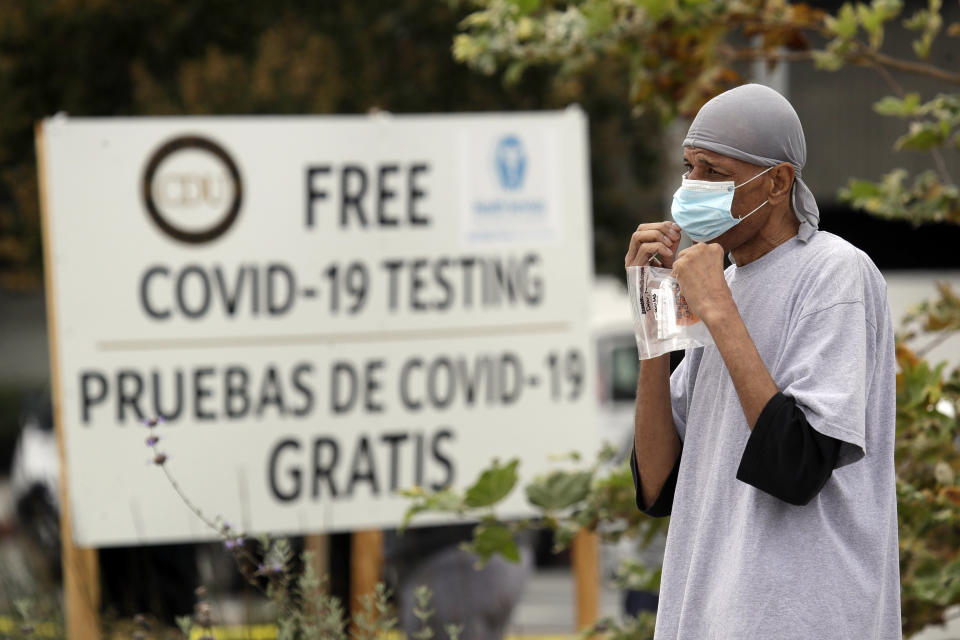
[(662, 321)]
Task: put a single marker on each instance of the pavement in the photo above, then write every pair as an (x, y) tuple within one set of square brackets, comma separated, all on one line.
[(549, 607)]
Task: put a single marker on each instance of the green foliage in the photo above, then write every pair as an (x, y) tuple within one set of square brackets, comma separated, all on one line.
[(559, 490), (375, 619), (185, 624), (599, 498), (422, 612), (635, 576), (907, 106), (638, 628), (928, 467), (493, 485), (525, 6), (926, 199), (678, 54), (35, 615), (491, 537), (928, 22), (308, 611), (923, 136), (932, 196), (446, 501)]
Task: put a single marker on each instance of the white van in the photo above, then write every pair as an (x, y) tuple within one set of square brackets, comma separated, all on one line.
[(617, 365), (617, 362)]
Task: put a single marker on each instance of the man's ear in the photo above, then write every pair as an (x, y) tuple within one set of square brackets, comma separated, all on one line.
[(782, 176)]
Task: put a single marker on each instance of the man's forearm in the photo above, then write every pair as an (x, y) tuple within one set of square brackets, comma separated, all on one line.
[(755, 387), (655, 437)]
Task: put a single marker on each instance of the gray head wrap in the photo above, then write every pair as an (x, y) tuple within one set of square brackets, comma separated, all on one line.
[(756, 124)]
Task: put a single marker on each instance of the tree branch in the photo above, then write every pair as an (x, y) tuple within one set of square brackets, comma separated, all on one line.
[(937, 156), (920, 68), (863, 57), (888, 77)]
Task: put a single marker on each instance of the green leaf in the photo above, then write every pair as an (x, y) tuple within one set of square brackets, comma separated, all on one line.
[(446, 501), (493, 485), (921, 47), (185, 624), (525, 7), (859, 189), (844, 24), (559, 490), (514, 72), (929, 22), (923, 136), (891, 106), (491, 537), (656, 9), (872, 22), (888, 8), (599, 15), (827, 60)]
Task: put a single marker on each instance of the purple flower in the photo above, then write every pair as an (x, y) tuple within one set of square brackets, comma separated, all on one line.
[(265, 569), (150, 423), (160, 458), (152, 440), (233, 544)]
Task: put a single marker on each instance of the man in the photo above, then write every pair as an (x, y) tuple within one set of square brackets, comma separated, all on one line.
[(772, 449)]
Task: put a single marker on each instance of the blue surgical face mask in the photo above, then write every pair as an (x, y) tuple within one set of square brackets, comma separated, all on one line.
[(702, 208)]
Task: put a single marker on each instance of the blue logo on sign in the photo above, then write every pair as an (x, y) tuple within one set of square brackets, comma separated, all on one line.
[(511, 162)]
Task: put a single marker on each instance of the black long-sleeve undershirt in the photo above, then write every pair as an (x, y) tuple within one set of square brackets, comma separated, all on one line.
[(784, 457)]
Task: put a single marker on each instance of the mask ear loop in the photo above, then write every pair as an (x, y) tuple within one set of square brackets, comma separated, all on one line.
[(754, 178), (752, 212), (751, 180)]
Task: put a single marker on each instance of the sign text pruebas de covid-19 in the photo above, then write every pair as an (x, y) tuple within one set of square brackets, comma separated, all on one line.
[(324, 310)]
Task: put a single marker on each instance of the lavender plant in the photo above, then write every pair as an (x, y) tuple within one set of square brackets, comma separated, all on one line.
[(305, 610)]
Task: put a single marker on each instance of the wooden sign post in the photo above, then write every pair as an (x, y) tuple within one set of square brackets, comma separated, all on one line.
[(366, 566), (584, 556), (81, 571)]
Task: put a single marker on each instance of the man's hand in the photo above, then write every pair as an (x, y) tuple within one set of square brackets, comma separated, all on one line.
[(699, 270), (653, 238)]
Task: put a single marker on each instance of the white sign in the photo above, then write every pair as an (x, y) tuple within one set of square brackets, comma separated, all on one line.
[(324, 309)]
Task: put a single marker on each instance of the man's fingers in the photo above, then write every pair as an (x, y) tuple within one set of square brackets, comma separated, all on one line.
[(698, 254), (669, 230), (650, 238), (645, 251), (645, 236)]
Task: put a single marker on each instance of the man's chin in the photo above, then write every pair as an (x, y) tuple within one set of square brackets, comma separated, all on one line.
[(729, 240)]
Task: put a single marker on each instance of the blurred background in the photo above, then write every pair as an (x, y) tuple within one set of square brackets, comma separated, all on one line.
[(187, 57)]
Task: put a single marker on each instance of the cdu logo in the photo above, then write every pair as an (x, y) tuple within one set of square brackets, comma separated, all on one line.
[(192, 189), (510, 161)]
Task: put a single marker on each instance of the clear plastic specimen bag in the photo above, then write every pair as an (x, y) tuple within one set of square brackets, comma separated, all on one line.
[(662, 321)]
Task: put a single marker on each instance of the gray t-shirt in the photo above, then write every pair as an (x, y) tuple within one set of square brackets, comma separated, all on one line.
[(741, 564)]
